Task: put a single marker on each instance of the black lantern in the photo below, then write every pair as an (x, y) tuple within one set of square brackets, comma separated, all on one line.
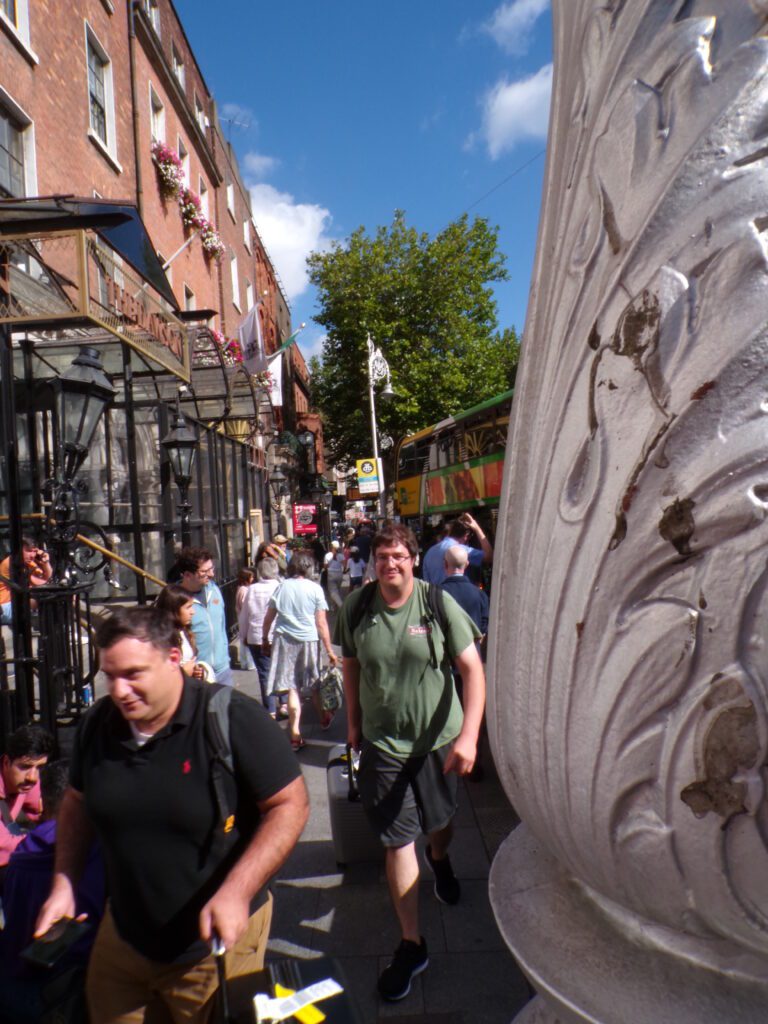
[(180, 445), (278, 481), (306, 439), (82, 394)]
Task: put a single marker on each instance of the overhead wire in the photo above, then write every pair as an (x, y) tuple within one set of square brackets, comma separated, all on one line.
[(504, 181)]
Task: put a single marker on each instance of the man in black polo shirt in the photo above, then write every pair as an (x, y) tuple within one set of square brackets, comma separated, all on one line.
[(177, 877)]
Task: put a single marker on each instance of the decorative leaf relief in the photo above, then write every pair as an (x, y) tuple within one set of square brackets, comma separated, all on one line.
[(636, 509)]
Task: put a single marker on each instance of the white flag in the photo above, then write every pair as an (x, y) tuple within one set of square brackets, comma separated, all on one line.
[(252, 342), (275, 367)]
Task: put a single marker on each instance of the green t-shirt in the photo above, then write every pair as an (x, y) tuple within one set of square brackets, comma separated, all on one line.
[(408, 705)]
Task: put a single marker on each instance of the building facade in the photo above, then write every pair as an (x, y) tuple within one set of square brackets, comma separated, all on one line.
[(105, 100)]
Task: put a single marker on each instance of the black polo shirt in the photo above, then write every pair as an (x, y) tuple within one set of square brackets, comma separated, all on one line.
[(155, 812)]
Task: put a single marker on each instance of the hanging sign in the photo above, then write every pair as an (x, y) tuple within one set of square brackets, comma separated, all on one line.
[(368, 476), (305, 519)]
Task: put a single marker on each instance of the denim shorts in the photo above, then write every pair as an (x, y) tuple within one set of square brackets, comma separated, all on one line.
[(403, 797)]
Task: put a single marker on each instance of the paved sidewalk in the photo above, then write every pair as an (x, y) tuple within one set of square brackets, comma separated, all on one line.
[(323, 910)]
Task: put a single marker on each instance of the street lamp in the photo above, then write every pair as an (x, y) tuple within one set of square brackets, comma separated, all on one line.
[(180, 445), (378, 370), (82, 393)]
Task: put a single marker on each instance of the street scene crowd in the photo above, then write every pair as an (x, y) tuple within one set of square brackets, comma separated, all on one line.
[(138, 868)]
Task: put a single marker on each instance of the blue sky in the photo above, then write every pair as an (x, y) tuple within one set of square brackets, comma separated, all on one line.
[(343, 111)]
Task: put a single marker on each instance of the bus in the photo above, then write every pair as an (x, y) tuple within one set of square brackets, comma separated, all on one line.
[(454, 466)]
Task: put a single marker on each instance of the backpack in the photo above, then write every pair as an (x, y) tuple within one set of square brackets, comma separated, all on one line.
[(435, 611)]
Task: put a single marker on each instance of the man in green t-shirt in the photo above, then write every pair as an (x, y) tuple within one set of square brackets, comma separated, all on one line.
[(405, 717)]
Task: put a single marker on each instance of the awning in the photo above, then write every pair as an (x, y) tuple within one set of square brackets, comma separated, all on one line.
[(117, 222)]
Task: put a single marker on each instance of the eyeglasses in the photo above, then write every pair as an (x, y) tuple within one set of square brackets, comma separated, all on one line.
[(394, 559), (206, 572)]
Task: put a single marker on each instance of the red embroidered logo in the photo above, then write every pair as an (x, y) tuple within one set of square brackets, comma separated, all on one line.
[(419, 630), (186, 767)]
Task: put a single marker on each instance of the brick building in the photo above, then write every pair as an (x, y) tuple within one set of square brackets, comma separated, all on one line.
[(105, 99)]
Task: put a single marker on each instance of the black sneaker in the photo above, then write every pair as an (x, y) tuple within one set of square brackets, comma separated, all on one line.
[(447, 888), (409, 960)]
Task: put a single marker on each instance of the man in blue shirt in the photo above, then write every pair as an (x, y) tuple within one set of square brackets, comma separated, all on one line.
[(209, 621), (464, 592), (433, 570)]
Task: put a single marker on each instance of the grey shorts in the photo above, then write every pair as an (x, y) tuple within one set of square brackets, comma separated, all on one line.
[(403, 798)]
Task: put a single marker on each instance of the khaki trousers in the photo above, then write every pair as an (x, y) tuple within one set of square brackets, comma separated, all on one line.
[(124, 987)]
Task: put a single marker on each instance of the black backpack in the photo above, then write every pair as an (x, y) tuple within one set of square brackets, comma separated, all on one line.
[(436, 612)]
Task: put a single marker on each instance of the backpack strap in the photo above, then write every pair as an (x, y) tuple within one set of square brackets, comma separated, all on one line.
[(218, 699), (362, 605), (436, 614)]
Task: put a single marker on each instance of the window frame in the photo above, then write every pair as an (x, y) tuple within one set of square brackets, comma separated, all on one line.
[(18, 28), (107, 146), (26, 131), (156, 106), (183, 152), (234, 274), (177, 64)]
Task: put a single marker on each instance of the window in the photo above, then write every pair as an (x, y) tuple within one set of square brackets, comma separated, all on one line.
[(156, 116), (203, 192), (248, 295), (178, 66), (15, 16), (247, 235), (97, 92), (17, 150), (235, 283), (199, 113), (189, 298), (184, 157), (231, 199), (11, 156), (101, 97), (152, 11)]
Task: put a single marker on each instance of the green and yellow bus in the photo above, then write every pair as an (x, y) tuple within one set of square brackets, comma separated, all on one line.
[(456, 465)]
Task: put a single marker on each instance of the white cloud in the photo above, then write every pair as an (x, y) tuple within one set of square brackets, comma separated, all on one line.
[(290, 231), (513, 111), (510, 24), (258, 165)]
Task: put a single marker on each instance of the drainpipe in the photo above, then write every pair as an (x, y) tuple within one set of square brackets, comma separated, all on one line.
[(134, 105)]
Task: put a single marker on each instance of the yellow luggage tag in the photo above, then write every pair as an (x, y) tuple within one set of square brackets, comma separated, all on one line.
[(308, 1015)]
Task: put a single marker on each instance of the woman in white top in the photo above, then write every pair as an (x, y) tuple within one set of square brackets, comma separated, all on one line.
[(251, 622), (179, 603), (297, 610)]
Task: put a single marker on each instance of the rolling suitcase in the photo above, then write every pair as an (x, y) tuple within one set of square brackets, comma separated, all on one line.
[(353, 838)]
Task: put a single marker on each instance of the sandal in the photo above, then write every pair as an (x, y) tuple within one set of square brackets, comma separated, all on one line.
[(297, 744)]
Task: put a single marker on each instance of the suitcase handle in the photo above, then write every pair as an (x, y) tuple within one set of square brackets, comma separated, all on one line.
[(354, 793)]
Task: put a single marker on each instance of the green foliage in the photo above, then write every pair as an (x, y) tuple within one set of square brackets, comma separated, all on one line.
[(428, 305)]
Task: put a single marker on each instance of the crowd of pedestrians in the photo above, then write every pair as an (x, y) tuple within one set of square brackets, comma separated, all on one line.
[(182, 799)]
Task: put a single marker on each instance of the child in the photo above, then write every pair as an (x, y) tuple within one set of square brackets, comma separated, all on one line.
[(180, 603), (356, 568), (244, 579)]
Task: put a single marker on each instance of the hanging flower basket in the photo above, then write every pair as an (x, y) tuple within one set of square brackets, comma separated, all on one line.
[(230, 348), (213, 247), (191, 209), (264, 379), (170, 173)]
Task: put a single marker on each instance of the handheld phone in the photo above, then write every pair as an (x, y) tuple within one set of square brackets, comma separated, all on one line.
[(58, 940)]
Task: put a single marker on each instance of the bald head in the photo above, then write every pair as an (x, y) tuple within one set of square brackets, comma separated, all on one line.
[(456, 559)]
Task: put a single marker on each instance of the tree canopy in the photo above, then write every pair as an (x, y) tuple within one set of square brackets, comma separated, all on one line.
[(428, 305)]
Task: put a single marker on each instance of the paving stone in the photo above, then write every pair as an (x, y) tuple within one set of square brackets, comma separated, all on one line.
[(485, 988), (470, 926)]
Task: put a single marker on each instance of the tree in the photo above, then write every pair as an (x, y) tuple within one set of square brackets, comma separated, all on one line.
[(428, 305)]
